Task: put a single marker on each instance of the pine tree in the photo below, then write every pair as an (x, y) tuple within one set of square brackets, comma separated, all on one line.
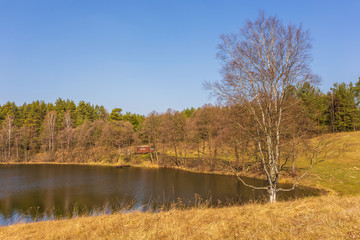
[(342, 107), (315, 104)]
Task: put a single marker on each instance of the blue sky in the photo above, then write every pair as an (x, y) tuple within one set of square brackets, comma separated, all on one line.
[(151, 55)]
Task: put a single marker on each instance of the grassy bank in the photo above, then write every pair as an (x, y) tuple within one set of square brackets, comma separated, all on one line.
[(340, 174), (327, 217)]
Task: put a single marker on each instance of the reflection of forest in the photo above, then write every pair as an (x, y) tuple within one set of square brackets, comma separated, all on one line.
[(62, 191)]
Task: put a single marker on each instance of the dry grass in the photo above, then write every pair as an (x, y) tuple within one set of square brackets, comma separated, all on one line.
[(329, 217)]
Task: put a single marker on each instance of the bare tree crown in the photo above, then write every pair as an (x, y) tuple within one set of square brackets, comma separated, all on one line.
[(262, 60)]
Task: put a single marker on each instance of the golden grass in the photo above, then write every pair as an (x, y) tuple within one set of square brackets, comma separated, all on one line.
[(327, 217)]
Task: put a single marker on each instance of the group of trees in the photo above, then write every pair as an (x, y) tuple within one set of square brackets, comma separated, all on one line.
[(270, 104), (39, 127), (334, 111), (205, 134)]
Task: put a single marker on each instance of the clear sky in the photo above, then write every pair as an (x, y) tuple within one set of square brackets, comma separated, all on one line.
[(151, 55)]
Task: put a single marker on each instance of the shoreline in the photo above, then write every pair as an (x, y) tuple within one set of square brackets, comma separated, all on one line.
[(285, 180), (326, 217), (323, 192)]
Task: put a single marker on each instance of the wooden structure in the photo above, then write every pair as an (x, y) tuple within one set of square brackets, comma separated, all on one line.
[(143, 149)]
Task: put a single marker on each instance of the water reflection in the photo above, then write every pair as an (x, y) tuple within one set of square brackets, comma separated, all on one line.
[(38, 192)]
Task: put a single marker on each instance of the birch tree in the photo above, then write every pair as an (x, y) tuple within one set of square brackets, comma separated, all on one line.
[(50, 130), (260, 63)]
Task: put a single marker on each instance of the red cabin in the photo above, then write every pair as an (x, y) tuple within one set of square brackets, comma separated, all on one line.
[(144, 149)]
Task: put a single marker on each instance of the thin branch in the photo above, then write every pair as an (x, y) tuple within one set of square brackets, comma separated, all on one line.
[(242, 180)]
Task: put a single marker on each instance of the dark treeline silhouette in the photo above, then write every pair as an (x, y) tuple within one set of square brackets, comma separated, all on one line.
[(195, 138)]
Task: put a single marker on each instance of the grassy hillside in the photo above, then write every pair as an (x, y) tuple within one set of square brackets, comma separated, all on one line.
[(341, 173), (328, 217)]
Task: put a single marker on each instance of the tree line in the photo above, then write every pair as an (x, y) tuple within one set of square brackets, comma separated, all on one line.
[(39, 127), (335, 111), (69, 132)]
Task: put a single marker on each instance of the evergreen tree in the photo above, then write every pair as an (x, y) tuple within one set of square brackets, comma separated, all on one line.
[(10, 109), (188, 111), (134, 119), (84, 111), (100, 113), (342, 107), (314, 103), (116, 114)]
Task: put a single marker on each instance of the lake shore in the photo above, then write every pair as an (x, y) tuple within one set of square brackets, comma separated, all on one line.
[(307, 218), (338, 175), (324, 217), (286, 180)]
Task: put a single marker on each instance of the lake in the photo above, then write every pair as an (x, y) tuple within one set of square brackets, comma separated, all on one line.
[(43, 192)]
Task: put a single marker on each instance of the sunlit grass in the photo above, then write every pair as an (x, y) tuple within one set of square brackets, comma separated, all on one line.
[(327, 217), (340, 173)]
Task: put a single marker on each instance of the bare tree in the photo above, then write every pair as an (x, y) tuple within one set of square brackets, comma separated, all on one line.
[(8, 129), (50, 130), (26, 136), (234, 137), (173, 130), (151, 131), (65, 136), (68, 128), (2, 146), (207, 123), (260, 63)]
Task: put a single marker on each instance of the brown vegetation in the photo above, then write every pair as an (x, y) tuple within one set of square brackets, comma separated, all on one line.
[(310, 218)]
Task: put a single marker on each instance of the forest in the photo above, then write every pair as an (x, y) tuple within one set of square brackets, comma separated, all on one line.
[(195, 138)]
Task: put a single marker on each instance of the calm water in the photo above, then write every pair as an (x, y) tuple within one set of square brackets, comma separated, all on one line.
[(38, 192)]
